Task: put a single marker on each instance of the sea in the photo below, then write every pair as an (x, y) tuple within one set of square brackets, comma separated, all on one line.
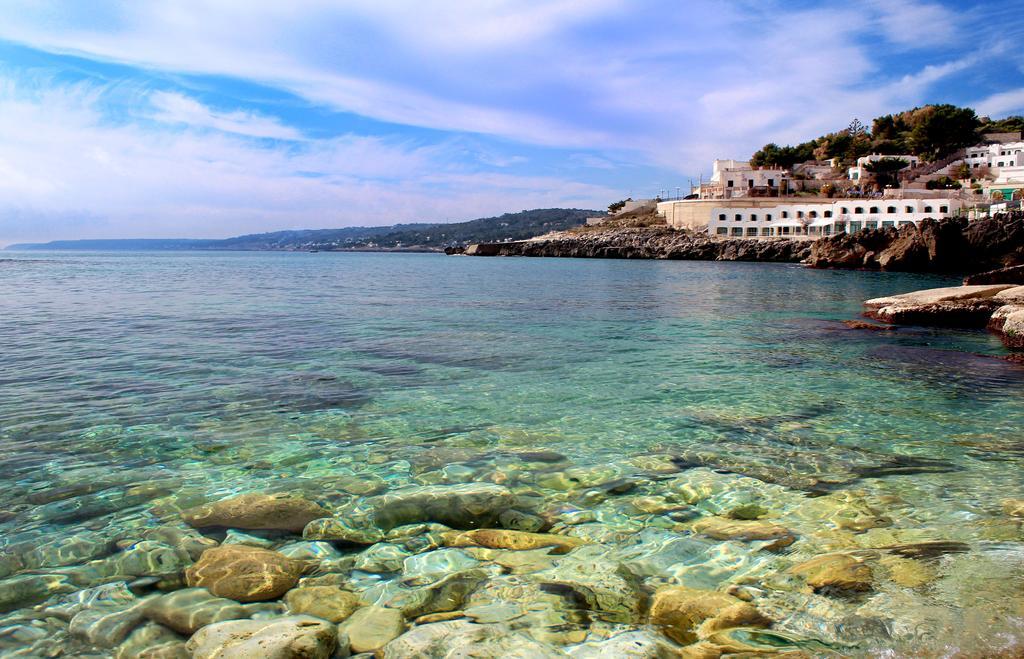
[(621, 402)]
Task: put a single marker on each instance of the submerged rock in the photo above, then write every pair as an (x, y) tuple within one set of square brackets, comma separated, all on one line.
[(282, 512), (328, 602), (28, 589), (515, 540), (381, 558), (68, 550), (462, 638), (721, 528), (332, 528), (466, 506), (290, 637), (839, 572), (371, 628), (190, 609), (244, 574), (688, 615), (1013, 507), (639, 644)]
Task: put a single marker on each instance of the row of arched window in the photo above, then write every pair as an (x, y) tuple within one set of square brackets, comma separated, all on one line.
[(857, 210)]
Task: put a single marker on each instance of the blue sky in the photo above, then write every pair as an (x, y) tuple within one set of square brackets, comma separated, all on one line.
[(208, 119)]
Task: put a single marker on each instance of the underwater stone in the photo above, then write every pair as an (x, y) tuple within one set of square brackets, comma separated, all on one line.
[(234, 537), (328, 602), (371, 628), (244, 574), (515, 540), (520, 521), (107, 626), (181, 538), (834, 572), (68, 550), (332, 528), (1013, 507), (462, 638), (465, 506), (152, 641), (640, 644), (187, 610), (430, 566), (688, 615), (606, 587), (381, 558), (290, 637), (28, 589), (721, 528), (310, 551), (282, 512)]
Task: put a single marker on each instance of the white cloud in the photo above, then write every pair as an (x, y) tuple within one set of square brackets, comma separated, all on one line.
[(177, 108), (67, 171), (1004, 103)]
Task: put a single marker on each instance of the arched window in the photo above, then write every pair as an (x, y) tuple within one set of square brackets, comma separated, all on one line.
[(785, 214), (721, 217), (738, 217), (858, 211), (927, 209), (812, 214), (800, 214), (890, 209), (873, 209), (844, 210), (943, 209), (909, 209), (753, 217), (828, 213), (768, 217)]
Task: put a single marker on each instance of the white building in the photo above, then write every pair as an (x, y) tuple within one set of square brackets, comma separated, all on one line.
[(736, 178), (825, 218), (859, 171), (996, 156)]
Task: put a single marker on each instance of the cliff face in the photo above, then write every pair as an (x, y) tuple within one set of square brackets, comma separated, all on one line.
[(649, 243), (950, 245)]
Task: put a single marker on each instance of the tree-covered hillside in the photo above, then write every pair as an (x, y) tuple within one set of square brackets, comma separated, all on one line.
[(930, 132), (510, 226)]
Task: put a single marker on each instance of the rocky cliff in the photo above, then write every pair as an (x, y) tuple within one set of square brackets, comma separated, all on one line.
[(647, 243), (950, 245)]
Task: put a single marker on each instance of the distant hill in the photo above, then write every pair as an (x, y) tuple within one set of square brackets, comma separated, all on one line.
[(412, 237)]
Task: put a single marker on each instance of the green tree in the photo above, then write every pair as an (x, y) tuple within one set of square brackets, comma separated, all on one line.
[(938, 130), (885, 171)]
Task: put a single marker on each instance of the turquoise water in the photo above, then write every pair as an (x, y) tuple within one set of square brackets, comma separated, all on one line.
[(200, 376)]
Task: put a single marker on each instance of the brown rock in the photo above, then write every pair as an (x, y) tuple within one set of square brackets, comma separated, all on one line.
[(244, 574), (371, 628), (721, 528), (1013, 507), (282, 512), (875, 327), (327, 602), (688, 615), (515, 540), (834, 571)]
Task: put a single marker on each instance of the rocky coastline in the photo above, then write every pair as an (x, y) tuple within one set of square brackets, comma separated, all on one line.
[(660, 242), (949, 246)]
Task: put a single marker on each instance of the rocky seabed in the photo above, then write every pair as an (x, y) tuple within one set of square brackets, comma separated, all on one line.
[(522, 554)]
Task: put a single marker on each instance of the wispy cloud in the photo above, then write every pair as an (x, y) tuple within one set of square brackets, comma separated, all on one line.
[(174, 108)]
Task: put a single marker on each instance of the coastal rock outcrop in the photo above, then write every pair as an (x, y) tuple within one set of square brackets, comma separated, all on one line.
[(1000, 307), (947, 245)]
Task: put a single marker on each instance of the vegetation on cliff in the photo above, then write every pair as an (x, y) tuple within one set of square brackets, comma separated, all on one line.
[(929, 132), (433, 237)]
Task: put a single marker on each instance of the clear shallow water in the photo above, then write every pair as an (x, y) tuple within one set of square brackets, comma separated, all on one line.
[(208, 375)]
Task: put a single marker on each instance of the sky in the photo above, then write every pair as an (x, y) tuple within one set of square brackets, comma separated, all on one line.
[(203, 118)]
